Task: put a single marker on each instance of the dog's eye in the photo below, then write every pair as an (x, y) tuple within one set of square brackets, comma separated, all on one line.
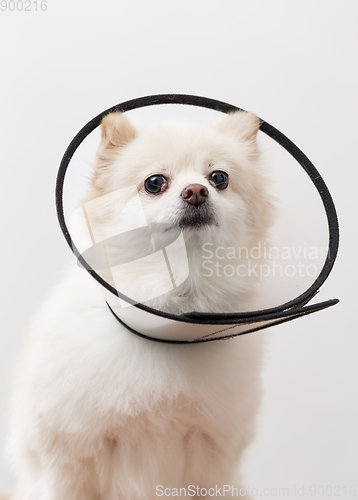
[(219, 179), (155, 184)]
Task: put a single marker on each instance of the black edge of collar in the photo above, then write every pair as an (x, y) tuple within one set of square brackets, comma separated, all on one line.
[(272, 320)]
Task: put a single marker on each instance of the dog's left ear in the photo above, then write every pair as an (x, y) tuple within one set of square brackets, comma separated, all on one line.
[(242, 124)]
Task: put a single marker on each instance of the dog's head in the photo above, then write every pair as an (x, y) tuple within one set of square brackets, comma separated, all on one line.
[(205, 181), (193, 177)]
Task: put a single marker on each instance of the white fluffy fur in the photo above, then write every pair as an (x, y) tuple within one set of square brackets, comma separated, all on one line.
[(101, 414)]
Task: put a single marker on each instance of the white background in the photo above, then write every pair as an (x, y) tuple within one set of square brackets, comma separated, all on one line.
[(295, 65)]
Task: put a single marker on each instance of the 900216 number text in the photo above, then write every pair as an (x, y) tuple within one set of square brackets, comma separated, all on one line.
[(23, 5)]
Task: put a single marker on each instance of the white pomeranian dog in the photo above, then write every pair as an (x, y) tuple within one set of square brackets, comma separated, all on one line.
[(99, 413)]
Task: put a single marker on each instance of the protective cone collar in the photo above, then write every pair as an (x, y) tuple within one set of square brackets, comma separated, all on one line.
[(203, 327)]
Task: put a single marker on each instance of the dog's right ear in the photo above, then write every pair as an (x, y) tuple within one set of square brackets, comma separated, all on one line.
[(116, 131)]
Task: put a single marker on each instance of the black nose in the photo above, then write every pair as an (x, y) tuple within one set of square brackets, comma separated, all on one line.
[(195, 194)]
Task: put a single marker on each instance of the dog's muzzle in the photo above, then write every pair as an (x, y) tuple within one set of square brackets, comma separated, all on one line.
[(192, 216)]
